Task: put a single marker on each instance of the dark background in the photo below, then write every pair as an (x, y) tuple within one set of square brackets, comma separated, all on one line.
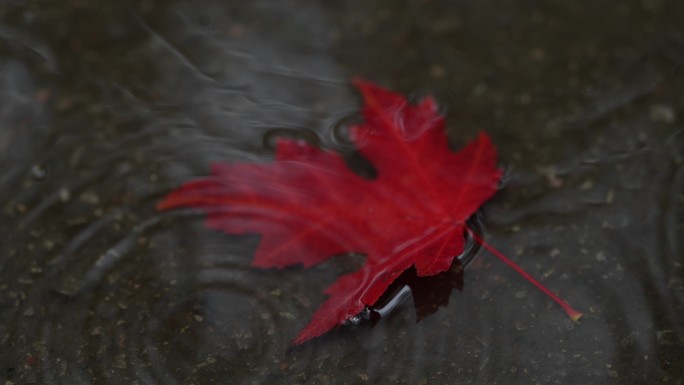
[(107, 106)]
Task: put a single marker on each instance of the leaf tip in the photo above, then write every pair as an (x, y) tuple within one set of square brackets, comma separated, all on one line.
[(359, 82), (366, 88), (298, 341), (162, 205), (377, 98), (573, 314), (304, 336)]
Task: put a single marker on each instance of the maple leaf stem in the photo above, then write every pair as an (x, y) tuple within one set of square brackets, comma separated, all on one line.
[(572, 313)]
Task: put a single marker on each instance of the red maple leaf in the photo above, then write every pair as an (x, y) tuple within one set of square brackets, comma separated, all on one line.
[(308, 205)]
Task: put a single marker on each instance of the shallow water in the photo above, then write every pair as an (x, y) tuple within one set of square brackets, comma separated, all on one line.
[(105, 108)]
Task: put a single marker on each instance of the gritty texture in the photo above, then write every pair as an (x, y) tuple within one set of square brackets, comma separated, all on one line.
[(107, 106)]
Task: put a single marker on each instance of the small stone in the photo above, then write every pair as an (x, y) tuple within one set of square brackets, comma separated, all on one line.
[(39, 172), (610, 195), (551, 176), (64, 195), (537, 54), (437, 71), (666, 337), (120, 362), (48, 245), (587, 184), (90, 198), (629, 341), (287, 315), (662, 114), (601, 256), (21, 208)]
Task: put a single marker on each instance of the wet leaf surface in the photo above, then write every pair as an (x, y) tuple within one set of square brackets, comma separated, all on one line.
[(308, 206)]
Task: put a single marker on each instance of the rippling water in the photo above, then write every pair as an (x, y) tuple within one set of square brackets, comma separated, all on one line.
[(104, 108)]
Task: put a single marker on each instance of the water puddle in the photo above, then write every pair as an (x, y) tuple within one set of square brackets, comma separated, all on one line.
[(104, 109)]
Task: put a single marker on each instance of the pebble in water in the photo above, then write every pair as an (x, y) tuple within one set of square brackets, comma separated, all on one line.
[(40, 171)]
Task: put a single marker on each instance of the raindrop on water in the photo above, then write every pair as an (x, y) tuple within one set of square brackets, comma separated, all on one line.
[(270, 137), (339, 130)]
